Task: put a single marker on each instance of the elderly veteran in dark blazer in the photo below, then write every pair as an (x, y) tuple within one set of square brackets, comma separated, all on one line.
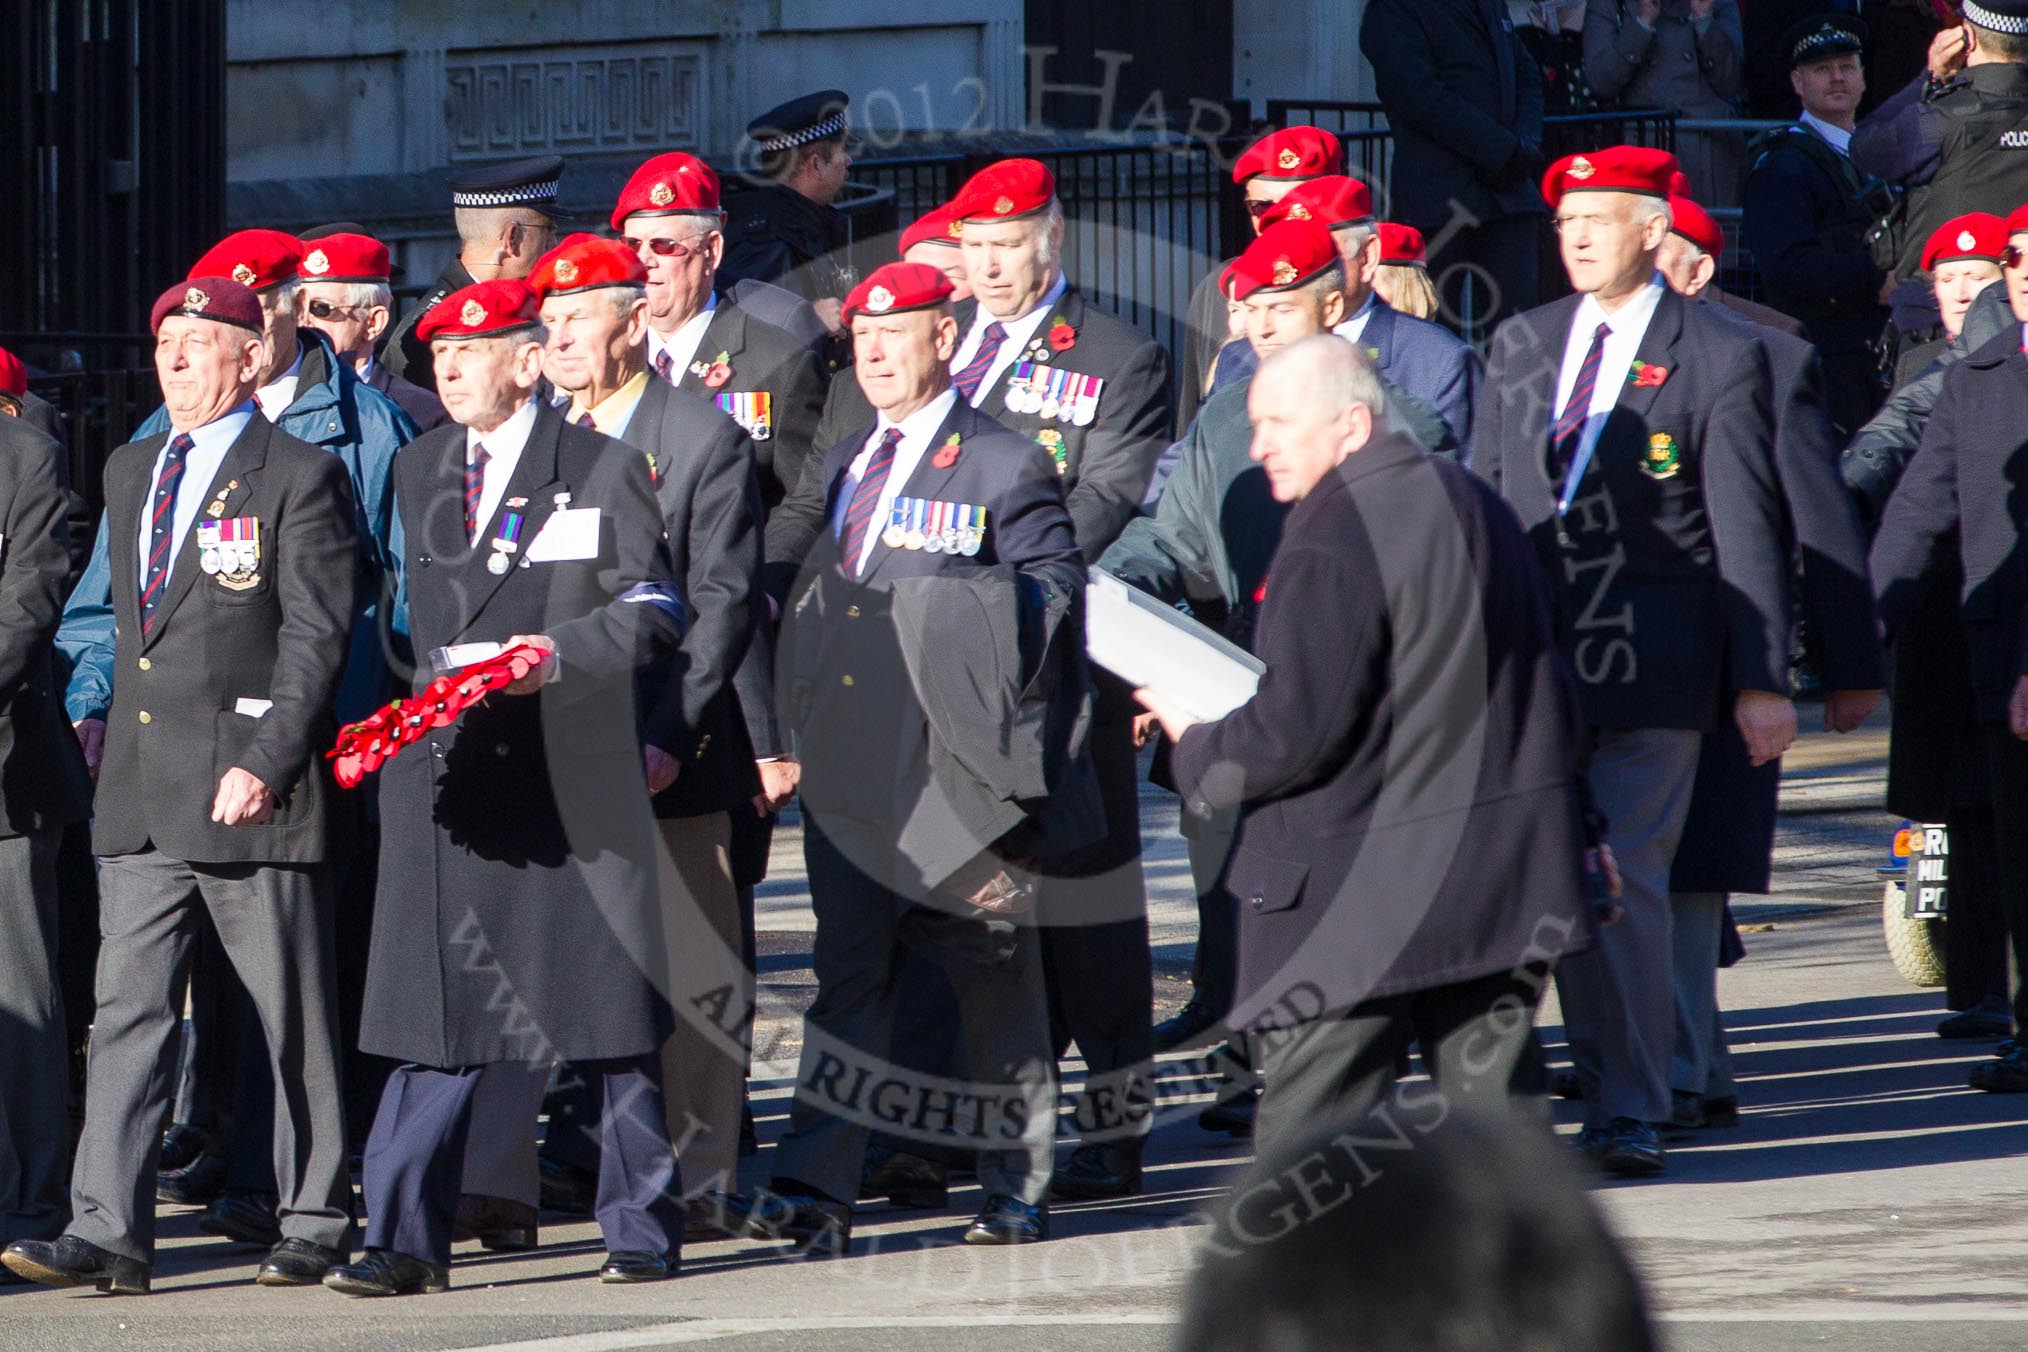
[(1633, 433), (717, 715), (1411, 849), (927, 489), (517, 863), (1966, 480), (233, 554), (43, 789), (1728, 837)]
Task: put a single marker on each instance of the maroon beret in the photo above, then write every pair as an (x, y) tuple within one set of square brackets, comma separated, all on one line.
[(219, 298)]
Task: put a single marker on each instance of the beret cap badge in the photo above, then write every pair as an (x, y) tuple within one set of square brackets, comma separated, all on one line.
[(242, 274), (473, 315), (879, 299), (1581, 168), (566, 271), (1288, 159), (1002, 205), (661, 194), (317, 262), (1285, 272), (1966, 239), (195, 299)]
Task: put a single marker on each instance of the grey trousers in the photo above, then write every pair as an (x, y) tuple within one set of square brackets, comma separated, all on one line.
[(1339, 1069), (1701, 1065), (34, 1058), (275, 923), (846, 1086), (1619, 1005)]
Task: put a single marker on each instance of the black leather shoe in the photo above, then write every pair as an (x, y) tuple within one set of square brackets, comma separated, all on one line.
[(1095, 1171), (383, 1272), (1563, 1084), (1591, 1142), (814, 1224), (70, 1261), (1234, 1116), (243, 1217), (905, 1180), (1007, 1221), (1632, 1149), (1187, 1026), (568, 1191), (628, 1265), (2003, 1074), (1988, 1018), (182, 1145), (500, 1225), (197, 1183), (1686, 1114), (298, 1262), (1721, 1111)]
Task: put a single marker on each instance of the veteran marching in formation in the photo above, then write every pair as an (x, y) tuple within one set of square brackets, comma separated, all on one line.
[(430, 686)]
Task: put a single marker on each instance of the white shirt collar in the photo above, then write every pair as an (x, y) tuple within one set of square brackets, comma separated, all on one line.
[(681, 345), (1020, 332), (504, 445), (208, 445), (1627, 326), (1839, 139), (917, 430), (1353, 329), (275, 397)]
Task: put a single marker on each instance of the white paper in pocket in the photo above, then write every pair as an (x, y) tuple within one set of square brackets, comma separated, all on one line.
[(570, 533), (252, 708)]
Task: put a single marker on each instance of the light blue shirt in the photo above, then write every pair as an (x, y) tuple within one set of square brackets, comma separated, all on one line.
[(200, 466)]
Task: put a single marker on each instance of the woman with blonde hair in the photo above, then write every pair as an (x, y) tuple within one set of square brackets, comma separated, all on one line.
[(1402, 279)]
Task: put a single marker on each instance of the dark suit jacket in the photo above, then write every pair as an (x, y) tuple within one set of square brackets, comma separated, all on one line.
[(423, 407), (409, 356), (721, 704), (43, 784), (283, 639), (517, 854), (1462, 95), (845, 685), (1408, 767), (1755, 313), (764, 358), (1670, 589), (1728, 837), (1971, 475)]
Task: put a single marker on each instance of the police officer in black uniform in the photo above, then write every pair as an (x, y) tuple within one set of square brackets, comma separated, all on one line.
[(504, 214), (1808, 210), (783, 229)]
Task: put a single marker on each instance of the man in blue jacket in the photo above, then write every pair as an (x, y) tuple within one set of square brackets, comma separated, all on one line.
[(312, 395)]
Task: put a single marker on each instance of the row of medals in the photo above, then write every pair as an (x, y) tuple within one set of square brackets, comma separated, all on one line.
[(966, 540), (1031, 396)]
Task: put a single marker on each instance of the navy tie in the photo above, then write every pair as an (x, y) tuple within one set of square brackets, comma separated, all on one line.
[(967, 380), (866, 497), (1569, 427), (665, 366), (161, 528), (475, 488)]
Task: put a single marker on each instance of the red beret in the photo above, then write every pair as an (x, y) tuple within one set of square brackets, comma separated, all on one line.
[(1330, 199), (668, 184), (1635, 169), (1400, 243), (481, 310), (1694, 223), (895, 287), (935, 226), (1978, 235), (583, 262), (219, 298), (1004, 190), (1292, 152), (1281, 256), (344, 258), (13, 375), (2017, 220), (254, 258)]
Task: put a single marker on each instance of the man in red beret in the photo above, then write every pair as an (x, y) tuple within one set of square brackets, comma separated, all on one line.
[(521, 528), (917, 850), (1633, 432), (705, 343), (1728, 835), (718, 718), (1266, 171), (43, 791), (235, 557), (936, 239), (1962, 257), (1464, 105), (348, 297)]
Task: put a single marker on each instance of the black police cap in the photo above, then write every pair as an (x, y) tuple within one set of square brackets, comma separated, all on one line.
[(1823, 36), (517, 183), (813, 117), (1999, 16)]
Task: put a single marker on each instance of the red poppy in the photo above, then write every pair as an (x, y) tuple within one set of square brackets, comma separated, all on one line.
[(946, 456), (1260, 592), (1062, 337), (717, 375), (1647, 375)]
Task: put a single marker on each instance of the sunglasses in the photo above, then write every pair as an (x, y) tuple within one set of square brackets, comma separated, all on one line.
[(324, 309), (2012, 257), (666, 248), (1257, 207)]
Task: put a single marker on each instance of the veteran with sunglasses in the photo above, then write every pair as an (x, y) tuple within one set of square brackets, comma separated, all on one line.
[(702, 341)]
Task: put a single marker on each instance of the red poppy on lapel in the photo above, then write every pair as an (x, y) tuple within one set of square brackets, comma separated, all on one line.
[(1062, 337), (1646, 375), (947, 455)]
